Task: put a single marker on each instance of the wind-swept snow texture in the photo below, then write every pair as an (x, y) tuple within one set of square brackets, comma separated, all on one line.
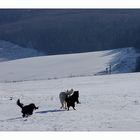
[(11, 51), (108, 102), (72, 65)]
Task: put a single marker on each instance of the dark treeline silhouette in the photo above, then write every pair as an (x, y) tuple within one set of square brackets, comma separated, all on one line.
[(69, 31)]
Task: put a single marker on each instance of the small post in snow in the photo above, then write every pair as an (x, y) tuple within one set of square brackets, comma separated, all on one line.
[(106, 70), (109, 69)]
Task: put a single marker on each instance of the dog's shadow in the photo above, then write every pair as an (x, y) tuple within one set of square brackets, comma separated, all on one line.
[(50, 111), (11, 119)]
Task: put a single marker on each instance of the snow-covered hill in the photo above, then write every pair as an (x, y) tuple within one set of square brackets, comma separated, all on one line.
[(108, 102), (11, 51), (72, 65)]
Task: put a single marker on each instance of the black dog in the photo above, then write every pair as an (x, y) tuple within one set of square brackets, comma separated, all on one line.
[(70, 100), (76, 96), (26, 110)]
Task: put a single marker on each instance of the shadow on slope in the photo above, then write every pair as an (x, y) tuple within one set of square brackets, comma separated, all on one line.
[(10, 51), (123, 60), (47, 111)]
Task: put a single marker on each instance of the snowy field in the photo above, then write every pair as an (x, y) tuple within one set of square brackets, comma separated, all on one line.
[(108, 102)]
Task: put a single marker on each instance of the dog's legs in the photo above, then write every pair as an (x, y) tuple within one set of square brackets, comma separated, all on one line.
[(78, 102), (74, 108), (36, 107), (61, 106), (23, 115), (65, 105)]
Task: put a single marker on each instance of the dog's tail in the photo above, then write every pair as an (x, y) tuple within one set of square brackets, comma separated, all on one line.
[(19, 104)]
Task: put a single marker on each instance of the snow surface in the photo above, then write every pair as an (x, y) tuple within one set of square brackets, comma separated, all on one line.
[(11, 51), (108, 102), (72, 65)]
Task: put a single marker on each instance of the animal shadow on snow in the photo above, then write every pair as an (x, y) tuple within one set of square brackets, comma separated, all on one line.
[(11, 119), (49, 111)]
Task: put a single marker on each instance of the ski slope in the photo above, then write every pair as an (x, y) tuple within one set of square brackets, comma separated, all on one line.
[(109, 102)]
